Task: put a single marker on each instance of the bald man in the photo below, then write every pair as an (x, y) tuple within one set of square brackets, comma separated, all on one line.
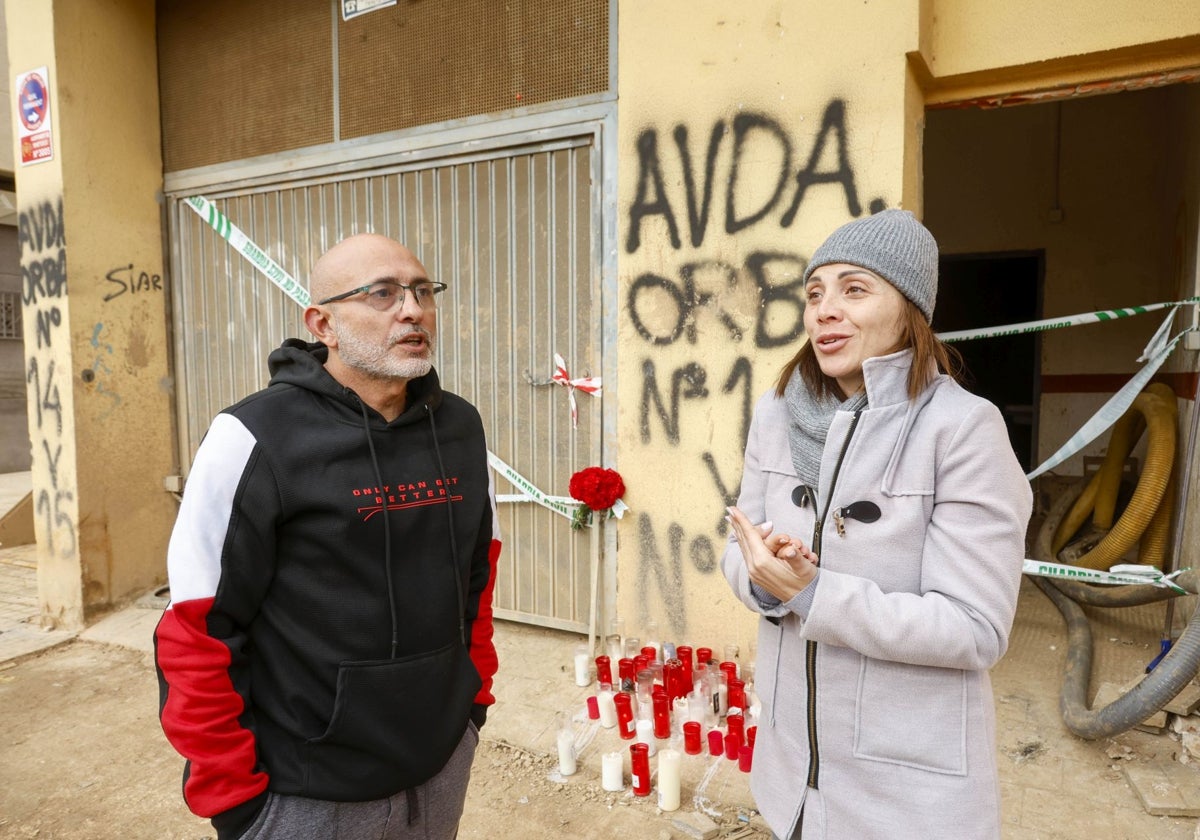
[(326, 660)]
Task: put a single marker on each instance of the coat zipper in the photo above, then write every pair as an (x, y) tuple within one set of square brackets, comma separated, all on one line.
[(810, 647)]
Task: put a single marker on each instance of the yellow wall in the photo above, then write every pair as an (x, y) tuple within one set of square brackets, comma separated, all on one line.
[(1027, 44), (711, 310), (100, 398)]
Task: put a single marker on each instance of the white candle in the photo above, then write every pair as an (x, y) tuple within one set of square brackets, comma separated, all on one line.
[(668, 780), (566, 753), (645, 734), (582, 676), (722, 699), (608, 709), (612, 773), (681, 713), (615, 648)]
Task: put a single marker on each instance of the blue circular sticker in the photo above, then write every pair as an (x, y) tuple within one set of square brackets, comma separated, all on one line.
[(33, 101)]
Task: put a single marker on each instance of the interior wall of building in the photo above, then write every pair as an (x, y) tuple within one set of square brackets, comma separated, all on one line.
[(1092, 183)]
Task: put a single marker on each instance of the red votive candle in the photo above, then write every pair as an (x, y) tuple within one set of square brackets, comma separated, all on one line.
[(625, 725), (593, 707), (736, 724), (703, 655), (627, 671), (729, 669), (662, 715), (732, 744), (684, 654), (691, 737), (737, 694), (673, 679), (716, 742), (650, 652), (745, 759), (640, 766), (603, 669), (751, 732)]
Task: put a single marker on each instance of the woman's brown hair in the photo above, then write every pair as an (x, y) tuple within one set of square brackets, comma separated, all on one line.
[(915, 333)]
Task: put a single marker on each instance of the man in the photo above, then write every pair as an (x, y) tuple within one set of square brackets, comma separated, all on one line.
[(327, 657)]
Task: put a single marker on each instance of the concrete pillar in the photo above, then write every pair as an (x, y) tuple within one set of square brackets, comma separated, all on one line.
[(95, 305)]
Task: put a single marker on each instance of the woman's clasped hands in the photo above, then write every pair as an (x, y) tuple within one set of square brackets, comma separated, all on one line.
[(777, 563)]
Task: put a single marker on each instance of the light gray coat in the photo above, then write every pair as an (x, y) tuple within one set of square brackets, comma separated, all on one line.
[(909, 613)]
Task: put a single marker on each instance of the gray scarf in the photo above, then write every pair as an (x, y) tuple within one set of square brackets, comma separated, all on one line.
[(809, 418)]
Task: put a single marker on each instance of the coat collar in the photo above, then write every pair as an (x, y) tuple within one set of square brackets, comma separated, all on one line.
[(886, 378)]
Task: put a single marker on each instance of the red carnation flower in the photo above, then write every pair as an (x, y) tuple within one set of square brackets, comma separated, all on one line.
[(598, 489)]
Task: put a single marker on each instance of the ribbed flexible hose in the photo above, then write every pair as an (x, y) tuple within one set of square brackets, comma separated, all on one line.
[(1155, 690), (1158, 409)]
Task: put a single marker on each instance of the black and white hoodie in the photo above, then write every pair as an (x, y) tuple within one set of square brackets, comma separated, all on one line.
[(330, 627)]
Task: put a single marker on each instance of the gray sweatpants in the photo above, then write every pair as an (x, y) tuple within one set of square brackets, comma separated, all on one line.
[(428, 812)]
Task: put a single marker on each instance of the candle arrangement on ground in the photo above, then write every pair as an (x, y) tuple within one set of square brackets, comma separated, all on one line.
[(669, 702)]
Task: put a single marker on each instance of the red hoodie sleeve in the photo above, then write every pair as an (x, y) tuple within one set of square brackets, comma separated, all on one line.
[(204, 706), (479, 602)]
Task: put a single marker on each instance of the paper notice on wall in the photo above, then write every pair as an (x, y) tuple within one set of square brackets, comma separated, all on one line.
[(354, 8), (33, 117)]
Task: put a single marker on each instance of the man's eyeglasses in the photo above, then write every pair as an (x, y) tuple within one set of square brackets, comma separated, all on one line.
[(382, 295)]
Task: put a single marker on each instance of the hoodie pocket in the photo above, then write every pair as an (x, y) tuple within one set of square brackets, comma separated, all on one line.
[(395, 724), (914, 715)]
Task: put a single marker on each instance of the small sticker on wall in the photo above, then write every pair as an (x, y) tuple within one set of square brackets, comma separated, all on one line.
[(33, 116), (354, 8)]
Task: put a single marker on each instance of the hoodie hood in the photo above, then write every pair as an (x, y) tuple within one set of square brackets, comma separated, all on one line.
[(301, 364)]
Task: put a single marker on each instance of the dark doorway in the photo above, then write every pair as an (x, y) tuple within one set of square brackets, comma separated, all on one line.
[(990, 291)]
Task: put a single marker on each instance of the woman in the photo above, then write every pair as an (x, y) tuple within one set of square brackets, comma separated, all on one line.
[(876, 638)]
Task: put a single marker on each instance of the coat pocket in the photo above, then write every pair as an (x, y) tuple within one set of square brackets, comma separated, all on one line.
[(913, 715), (395, 723)]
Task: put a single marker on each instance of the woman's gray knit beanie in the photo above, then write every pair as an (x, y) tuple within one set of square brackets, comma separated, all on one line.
[(894, 245)]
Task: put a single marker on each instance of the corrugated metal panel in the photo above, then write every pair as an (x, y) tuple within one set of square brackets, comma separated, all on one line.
[(511, 233)]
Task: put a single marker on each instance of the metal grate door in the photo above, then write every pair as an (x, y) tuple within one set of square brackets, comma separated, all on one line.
[(513, 233)]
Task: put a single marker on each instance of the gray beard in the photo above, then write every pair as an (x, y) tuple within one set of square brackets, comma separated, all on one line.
[(376, 362)]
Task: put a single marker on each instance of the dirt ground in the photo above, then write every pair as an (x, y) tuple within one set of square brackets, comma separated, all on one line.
[(77, 763)]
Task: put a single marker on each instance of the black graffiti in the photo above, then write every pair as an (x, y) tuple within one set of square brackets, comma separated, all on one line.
[(778, 278), (669, 580), (691, 382), (698, 216), (57, 517), (667, 575), (687, 382), (52, 460), (46, 395), (123, 278), (743, 124), (47, 319), (834, 120), (41, 228), (754, 135), (46, 277), (650, 179), (766, 267), (729, 495), (684, 298), (742, 372)]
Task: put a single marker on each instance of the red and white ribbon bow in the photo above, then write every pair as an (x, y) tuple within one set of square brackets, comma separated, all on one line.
[(587, 384)]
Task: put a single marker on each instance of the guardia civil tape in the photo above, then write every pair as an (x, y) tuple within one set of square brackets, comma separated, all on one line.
[(1066, 321), (230, 232), (1151, 576)]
